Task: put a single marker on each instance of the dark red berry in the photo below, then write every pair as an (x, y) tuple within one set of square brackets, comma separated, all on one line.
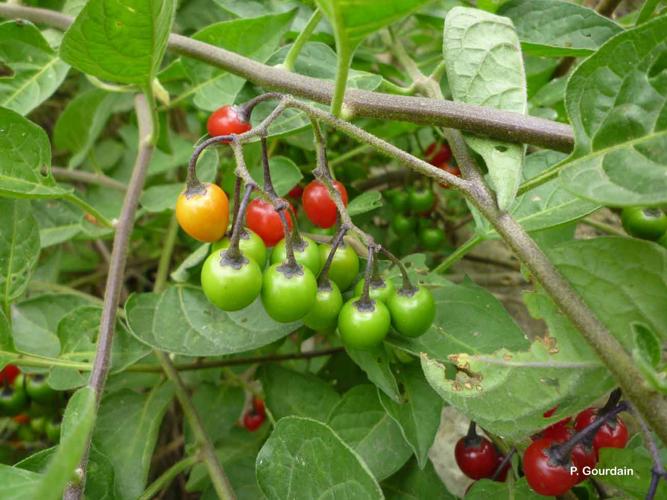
[(557, 432), (296, 192), (253, 420), (502, 475), (319, 206), (612, 434), (9, 373), (227, 120), (584, 459), (258, 405), (438, 154), (476, 457), (543, 472)]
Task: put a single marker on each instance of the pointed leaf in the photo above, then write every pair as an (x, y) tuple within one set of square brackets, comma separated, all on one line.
[(617, 103), (119, 41)]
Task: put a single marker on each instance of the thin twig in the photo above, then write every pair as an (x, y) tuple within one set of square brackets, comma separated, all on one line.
[(87, 178)]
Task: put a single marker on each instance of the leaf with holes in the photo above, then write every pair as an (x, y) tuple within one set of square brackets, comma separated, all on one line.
[(182, 321), (507, 392), (617, 102), (32, 69), (485, 67), (556, 28), (119, 41), (25, 159), (19, 247)]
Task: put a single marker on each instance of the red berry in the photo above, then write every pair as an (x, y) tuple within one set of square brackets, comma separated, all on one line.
[(258, 405), (544, 475), (612, 434), (584, 457), (557, 432), (253, 420), (550, 412), (477, 458), (9, 373), (452, 169), (502, 475), (318, 205), (296, 192), (438, 154), (264, 220), (227, 120)]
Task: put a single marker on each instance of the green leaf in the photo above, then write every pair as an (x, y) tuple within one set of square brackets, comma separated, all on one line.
[(413, 483), (219, 407), (182, 273), (468, 319), (18, 484), (365, 202), (556, 28), (6, 343), (548, 204), (485, 67), (647, 345), (36, 69), (76, 427), (360, 421), (119, 41), (376, 364), (616, 101), (509, 490), (25, 159), (19, 247), (305, 459), (638, 460), (507, 392), (623, 280), (256, 38), (35, 322), (418, 415), (354, 20), (162, 197), (126, 432), (77, 332), (58, 221), (284, 174), (82, 121), (289, 392), (182, 321)]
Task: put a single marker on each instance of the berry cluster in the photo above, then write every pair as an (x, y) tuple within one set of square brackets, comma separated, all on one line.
[(33, 406), (302, 280), (560, 456)]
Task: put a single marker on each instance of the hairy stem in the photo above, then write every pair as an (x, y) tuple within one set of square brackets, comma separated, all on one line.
[(116, 276), (87, 178), (503, 125)]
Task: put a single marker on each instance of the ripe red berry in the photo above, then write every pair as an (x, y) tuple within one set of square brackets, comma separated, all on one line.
[(258, 405), (612, 434), (452, 169), (544, 474), (296, 192), (502, 475), (253, 420), (438, 154), (584, 458), (557, 432), (318, 205), (263, 219), (9, 373), (227, 120), (476, 457)]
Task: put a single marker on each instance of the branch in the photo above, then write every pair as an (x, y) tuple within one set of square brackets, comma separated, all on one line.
[(504, 125), (115, 279), (87, 177)]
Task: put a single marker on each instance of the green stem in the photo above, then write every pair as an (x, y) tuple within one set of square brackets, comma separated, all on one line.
[(165, 257), (544, 176), (458, 254), (392, 88), (86, 207), (301, 40), (168, 476), (220, 482), (646, 12), (350, 153), (342, 70), (601, 226)]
